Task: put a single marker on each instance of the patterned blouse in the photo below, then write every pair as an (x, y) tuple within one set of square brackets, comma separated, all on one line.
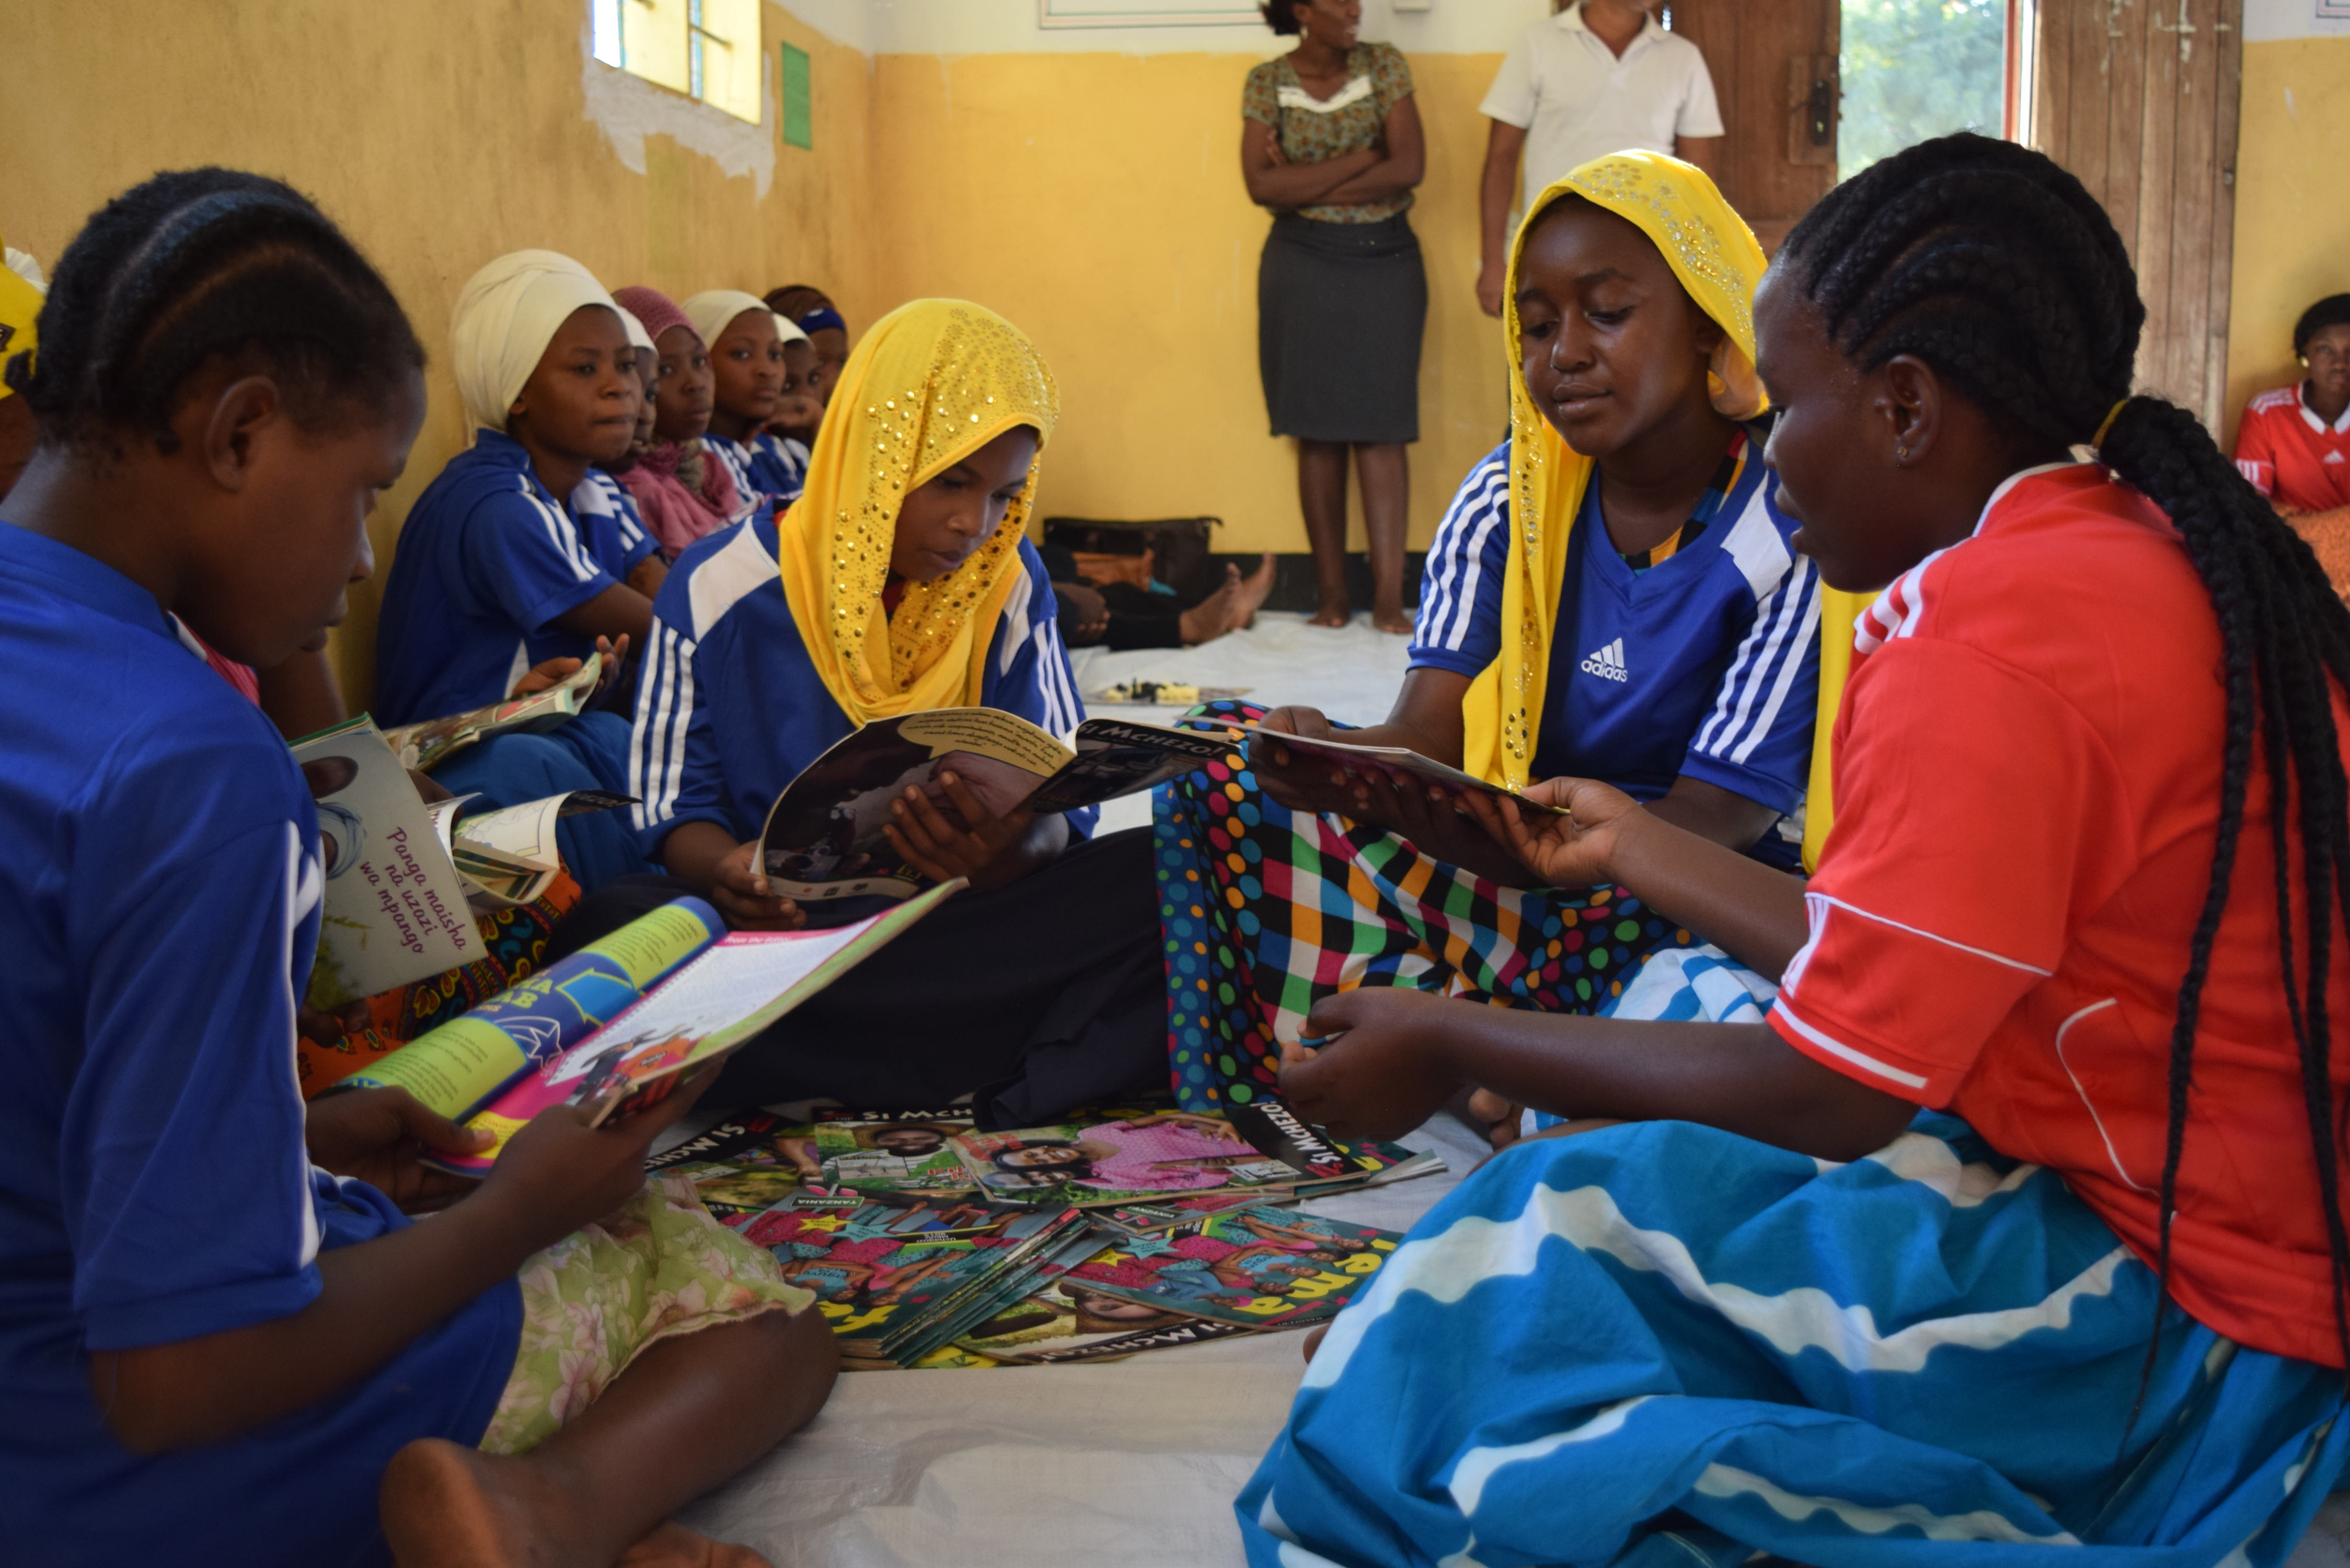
[(1315, 130)]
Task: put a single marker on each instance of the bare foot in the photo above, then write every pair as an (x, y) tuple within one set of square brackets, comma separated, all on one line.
[(1314, 1341), (671, 1545), (1500, 1118), (1255, 588), (1394, 622), (1214, 616), (1334, 612), (444, 1506)]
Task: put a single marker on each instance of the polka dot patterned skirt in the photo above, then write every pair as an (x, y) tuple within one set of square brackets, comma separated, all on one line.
[(1266, 910)]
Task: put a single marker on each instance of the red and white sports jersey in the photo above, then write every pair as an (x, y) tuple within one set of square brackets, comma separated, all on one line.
[(2292, 456), (2027, 783)]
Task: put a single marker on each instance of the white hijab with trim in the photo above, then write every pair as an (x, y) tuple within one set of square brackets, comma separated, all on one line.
[(507, 314)]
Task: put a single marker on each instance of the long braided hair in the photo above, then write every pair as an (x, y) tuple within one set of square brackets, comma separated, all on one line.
[(203, 264), (1993, 265)]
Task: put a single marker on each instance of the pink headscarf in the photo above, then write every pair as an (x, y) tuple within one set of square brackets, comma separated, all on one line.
[(681, 493)]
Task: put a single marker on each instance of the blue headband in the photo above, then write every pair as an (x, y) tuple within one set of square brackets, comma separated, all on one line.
[(821, 317)]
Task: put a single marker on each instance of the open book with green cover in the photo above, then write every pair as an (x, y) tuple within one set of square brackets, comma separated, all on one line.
[(824, 835), (405, 879), (426, 744), (723, 996)]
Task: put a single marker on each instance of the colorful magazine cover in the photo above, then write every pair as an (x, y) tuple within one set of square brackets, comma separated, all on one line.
[(1131, 1159), (892, 1155), (1260, 1267), (1071, 1321), (888, 1275)]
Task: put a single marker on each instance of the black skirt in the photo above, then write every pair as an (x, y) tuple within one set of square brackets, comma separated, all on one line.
[(1339, 312)]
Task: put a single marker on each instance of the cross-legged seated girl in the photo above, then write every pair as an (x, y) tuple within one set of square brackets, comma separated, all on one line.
[(521, 551), (2091, 823), (750, 369), (1611, 596), (216, 1352), (901, 582)]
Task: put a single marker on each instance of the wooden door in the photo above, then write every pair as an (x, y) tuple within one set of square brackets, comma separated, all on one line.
[(2138, 98), (1775, 70)]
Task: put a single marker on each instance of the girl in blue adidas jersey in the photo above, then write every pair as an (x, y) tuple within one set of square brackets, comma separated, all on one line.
[(225, 1341), (901, 581), (522, 551), (1611, 596)]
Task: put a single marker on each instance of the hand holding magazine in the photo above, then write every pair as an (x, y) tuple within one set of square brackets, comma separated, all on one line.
[(425, 745), (722, 998), (824, 835)]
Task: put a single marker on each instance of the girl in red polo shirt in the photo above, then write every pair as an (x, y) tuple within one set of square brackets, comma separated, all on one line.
[(2017, 1226)]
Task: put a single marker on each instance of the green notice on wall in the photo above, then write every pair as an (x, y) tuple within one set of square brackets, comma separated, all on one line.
[(799, 116)]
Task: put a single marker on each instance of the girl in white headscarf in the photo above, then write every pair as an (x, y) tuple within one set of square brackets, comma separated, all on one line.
[(749, 366), (521, 552)]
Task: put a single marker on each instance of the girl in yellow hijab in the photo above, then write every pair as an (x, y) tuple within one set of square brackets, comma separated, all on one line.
[(1612, 596), (900, 582)]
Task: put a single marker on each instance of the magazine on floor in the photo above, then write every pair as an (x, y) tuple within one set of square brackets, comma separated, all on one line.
[(723, 998), (824, 835), (1117, 1162), (424, 746), (1259, 1267), (1070, 1322), (898, 1279)]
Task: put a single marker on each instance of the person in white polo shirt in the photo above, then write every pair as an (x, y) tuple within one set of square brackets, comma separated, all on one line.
[(1600, 76)]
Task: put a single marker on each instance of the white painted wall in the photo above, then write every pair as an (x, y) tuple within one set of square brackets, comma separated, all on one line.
[(1012, 26), (2272, 21)]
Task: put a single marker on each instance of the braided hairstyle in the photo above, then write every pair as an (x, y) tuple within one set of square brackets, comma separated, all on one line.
[(1993, 265), (204, 264)]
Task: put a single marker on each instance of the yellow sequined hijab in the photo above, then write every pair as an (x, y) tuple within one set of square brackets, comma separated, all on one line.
[(1717, 260), (930, 384)]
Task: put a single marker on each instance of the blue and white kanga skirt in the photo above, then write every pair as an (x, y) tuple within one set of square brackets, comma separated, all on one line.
[(1659, 1344)]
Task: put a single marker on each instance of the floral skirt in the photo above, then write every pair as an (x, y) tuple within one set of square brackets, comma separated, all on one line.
[(600, 1297), (1264, 912)]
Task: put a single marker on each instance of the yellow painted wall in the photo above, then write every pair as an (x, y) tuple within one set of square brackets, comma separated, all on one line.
[(1093, 198), (2292, 228), (1096, 199), (436, 147)]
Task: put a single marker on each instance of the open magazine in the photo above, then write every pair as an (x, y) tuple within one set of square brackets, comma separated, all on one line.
[(426, 744), (723, 997), (1358, 758), (405, 879), (824, 835), (460, 1066)]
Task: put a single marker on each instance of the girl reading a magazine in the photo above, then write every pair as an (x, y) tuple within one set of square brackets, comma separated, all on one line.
[(900, 582), (521, 551), (1611, 595), (227, 1343), (2080, 904)]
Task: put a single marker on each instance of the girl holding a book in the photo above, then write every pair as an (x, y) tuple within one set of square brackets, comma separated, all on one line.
[(226, 1341)]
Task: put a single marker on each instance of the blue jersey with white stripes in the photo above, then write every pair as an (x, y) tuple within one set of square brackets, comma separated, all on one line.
[(730, 707), (1706, 664), (767, 464), (487, 560)]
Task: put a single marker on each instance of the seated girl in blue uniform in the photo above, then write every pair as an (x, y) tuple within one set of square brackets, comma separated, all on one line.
[(226, 1342), (901, 581), (2090, 814), (522, 550), (750, 367), (1612, 595)]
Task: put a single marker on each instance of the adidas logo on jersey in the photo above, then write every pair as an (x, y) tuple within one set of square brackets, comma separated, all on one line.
[(2332, 457), (1607, 663)]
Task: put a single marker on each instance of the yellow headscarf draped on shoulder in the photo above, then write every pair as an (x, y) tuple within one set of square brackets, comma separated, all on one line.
[(931, 383), (1717, 260)]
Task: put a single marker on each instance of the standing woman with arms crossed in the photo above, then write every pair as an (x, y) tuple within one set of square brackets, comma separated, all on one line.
[(1331, 143)]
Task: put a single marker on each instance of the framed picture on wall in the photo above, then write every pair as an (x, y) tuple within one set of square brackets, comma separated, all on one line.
[(1146, 14)]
